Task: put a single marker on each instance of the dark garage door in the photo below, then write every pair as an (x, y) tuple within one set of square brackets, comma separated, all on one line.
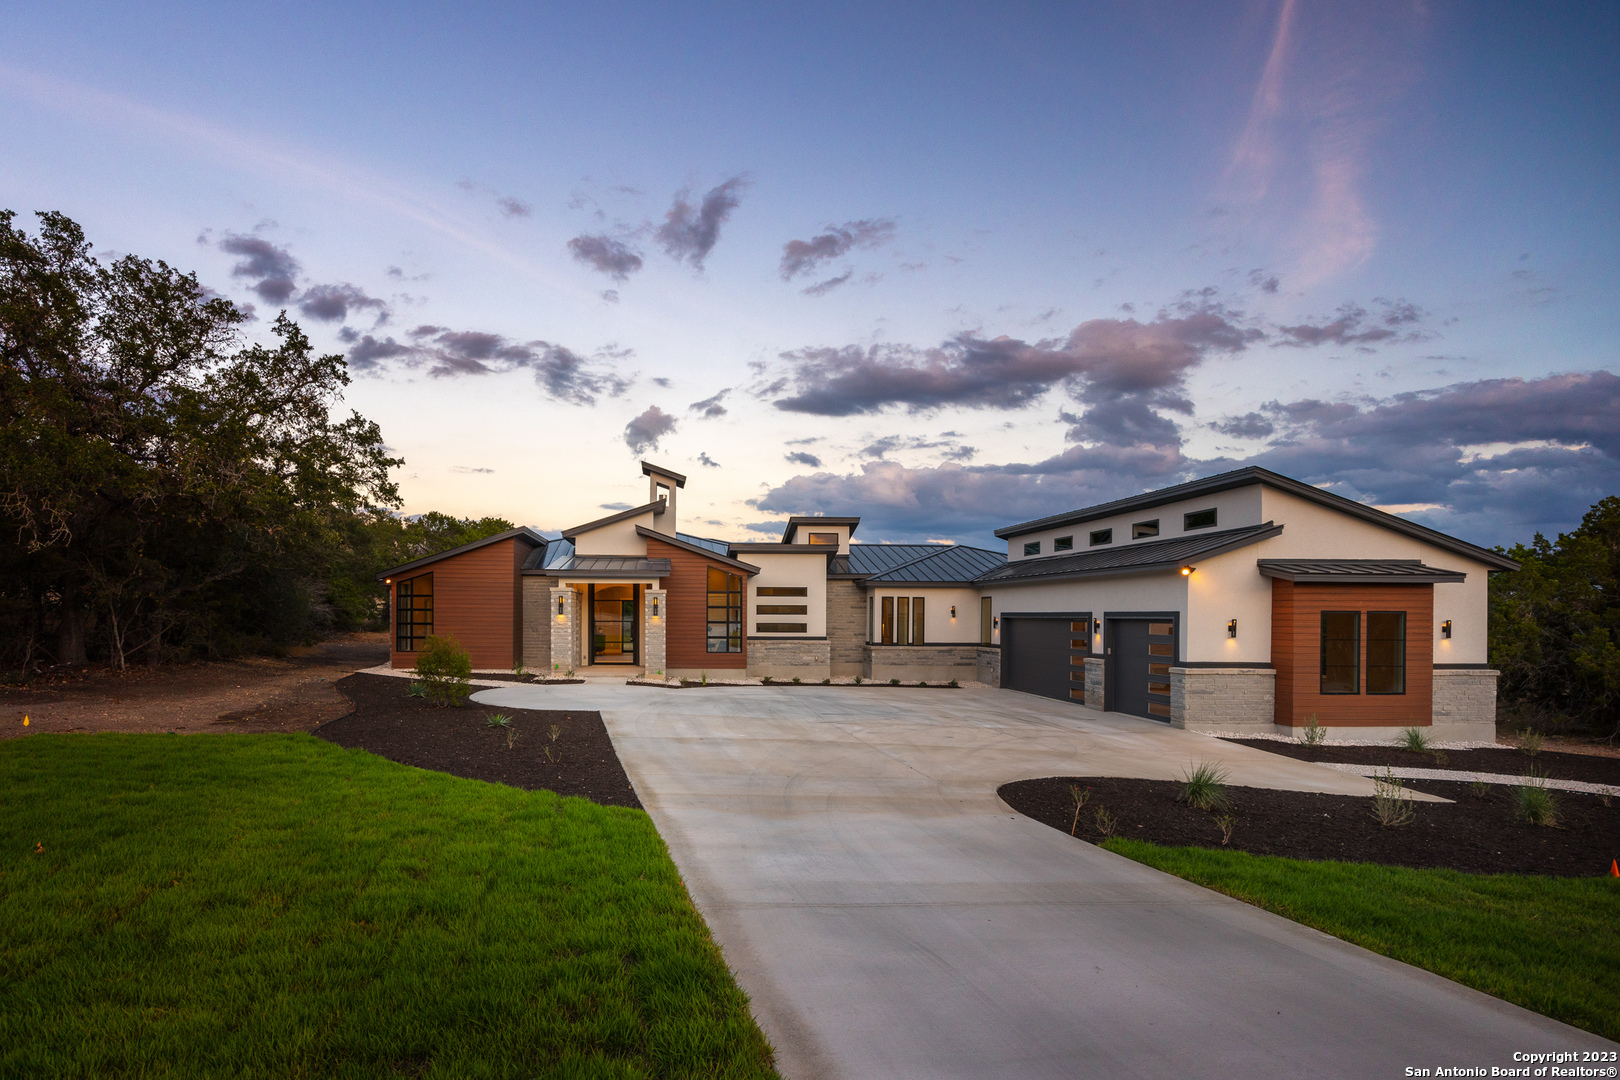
[(1046, 655), (1140, 654)]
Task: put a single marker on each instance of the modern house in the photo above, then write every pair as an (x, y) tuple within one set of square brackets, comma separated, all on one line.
[(1244, 601)]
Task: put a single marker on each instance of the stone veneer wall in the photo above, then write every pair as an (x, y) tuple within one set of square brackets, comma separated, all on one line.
[(1223, 699), (989, 666), (846, 627), (930, 663), (538, 607), (1466, 696), (652, 644), (1096, 696), (789, 658), (564, 644)]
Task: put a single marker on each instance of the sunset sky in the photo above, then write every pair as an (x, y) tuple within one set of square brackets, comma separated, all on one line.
[(944, 267)]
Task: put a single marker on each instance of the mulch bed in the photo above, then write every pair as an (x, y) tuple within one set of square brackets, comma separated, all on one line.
[(1476, 833), (1506, 760), (388, 722)]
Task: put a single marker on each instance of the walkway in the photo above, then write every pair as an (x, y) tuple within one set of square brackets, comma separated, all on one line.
[(890, 917)]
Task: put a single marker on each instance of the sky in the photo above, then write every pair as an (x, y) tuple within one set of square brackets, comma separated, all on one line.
[(946, 267)]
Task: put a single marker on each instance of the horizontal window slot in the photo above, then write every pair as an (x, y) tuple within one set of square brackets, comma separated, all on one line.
[(1158, 710), (1162, 629), (783, 590), (779, 628), (1155, 649), (781, 609)]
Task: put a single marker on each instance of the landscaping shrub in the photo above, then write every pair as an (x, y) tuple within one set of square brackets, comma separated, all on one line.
[(1204, 787), (1413, 739), (1392, 803), (1534, 802), (1313, 734), (444, 669)]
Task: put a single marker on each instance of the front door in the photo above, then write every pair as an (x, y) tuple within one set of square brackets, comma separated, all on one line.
[(1140, 653), (613, 624)]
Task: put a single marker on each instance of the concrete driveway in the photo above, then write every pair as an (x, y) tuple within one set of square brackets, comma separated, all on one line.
[(890, 917)]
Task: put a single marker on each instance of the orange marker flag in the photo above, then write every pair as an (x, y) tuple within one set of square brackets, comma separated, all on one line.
[(25, 721), (1614, 867)]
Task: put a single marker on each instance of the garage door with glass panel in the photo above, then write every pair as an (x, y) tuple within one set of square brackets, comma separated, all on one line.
[(1140, 653), (1046, 654)]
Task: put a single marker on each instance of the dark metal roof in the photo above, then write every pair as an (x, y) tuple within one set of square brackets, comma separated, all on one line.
[(1357, 571), (1132, 558), (948, 564), (611, 566), (795, 522), (772, 548), (559, 552), (696, 549), (647, 469), (1209, 485), (719, 547), (864, 560), (656, 506), (522, 534)]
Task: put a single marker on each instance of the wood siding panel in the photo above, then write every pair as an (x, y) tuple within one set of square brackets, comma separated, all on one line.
[(1296, 653), (686, 628), (476, 600)]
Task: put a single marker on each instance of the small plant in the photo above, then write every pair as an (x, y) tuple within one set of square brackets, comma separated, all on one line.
[(519, 670), (1313, 734), (444, 669), (569, 673), (826, 682), (921, 683), (1534, 803), (1227, 823), (555, 731), (547, 751), (1531, 741), (1204, 787), (1479, 789), (1106, 822), (857, 680), (705, 678), (415, 689), (1392, 803), (1414, 740), (766, 680), (954, 685), (797, 680), (1080, 800), (498, 720), (511, 737), (894, 682)]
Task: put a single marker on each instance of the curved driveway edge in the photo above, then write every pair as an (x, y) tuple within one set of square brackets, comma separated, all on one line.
[(890, 917)]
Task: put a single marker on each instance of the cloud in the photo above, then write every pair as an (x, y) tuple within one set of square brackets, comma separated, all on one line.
[(445, 353), (272, 269), (610, 295), (710, 407), (822, 288), (642, 433), (690, 232), (799, 457), (513, 207), (1399, 322), (468, 469), (612, 257), (1248, 426), (616, 506), (804, 256), (890, 443), (332, 303), (704, 459)]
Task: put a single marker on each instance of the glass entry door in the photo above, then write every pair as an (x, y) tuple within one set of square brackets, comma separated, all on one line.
[(613, 624)]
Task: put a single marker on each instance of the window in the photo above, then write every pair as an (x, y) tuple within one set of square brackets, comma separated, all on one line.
[(1386, 652), (1199, 519), (1063, 543), (824, 538), (725, 611), (1032, 548), (916, 620), (413, 612), (1143, 529), (783, 590), (782, 609), (984, 620), (888, 621), (778, 628), (1341, 652), (871, 618), (662, 494), (1102, 536), (902, 620)]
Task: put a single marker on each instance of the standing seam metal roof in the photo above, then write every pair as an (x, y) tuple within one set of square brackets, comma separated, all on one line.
[(1133, 558), (954, 564)]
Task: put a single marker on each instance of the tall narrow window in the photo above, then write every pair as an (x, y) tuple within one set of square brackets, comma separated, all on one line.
[(916, 620), (413, 612), (984, 620), (871, 619), (888, 620), (725, 611), (1386, 652), (902, 620), (1341, 652)]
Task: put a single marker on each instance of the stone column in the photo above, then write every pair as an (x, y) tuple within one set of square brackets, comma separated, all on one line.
[(652, 645), (1095, 666), (564, 630)]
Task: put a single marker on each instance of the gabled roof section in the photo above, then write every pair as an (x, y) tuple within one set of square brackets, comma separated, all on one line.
[(795, 522), (557, 552), (947, 564), (648, 469), (696, 549), (656, 506), (522, 534), (1140, 558), (1209, 485), (864, 560), (1358, 571)]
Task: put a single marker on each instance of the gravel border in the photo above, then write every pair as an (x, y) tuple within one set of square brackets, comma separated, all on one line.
[(1469, 777)]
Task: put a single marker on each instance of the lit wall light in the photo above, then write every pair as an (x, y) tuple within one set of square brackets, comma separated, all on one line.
[(560, 602), (1231, 628), (1096, 626), (1186, 571), (953, 611), (1445, 629), (655, 607), (995, 622)]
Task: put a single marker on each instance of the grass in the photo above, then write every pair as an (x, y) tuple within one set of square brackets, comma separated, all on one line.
[(277, 906), (1545, 943)]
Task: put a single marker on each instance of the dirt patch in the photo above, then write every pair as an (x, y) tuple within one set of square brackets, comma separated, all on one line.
[(566, 751), (1477, 833), (258, 694), (1558, 766)]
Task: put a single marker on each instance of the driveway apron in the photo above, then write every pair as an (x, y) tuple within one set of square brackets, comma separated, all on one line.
[(889, 916)]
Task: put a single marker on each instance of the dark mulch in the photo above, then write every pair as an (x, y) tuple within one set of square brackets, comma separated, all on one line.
[(390, 723), (1506, 760), (1476, 833)]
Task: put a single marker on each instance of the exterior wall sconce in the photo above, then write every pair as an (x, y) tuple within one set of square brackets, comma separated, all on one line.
[(1186, 571), (1445, 629), (1231, 628), (953, 611), (655, 607), (560, 602), (388, 581), (1096, 626), (995, 622)]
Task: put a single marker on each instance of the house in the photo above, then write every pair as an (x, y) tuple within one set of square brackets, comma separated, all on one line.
[(1244, 601)]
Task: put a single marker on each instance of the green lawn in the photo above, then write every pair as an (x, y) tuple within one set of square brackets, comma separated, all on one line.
[(276, 906), (1548, 944)]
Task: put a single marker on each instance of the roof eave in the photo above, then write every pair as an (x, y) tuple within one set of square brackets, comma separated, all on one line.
[(654, 534), (521, 532), (656, 506)]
